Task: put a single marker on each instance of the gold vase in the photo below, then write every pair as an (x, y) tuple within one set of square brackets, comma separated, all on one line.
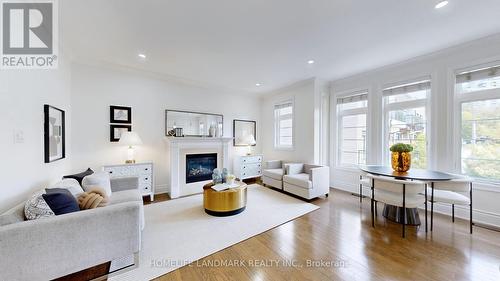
[(401, 161)]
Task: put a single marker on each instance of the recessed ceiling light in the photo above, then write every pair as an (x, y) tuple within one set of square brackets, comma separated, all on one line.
[(310, 61), (258, 84), (142, 56), (441, 4)]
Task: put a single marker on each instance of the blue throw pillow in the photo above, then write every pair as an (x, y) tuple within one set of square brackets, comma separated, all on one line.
[(60, 201)]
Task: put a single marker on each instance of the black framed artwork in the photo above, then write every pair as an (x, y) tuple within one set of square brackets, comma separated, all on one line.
[(115, 131), (54, 133), (242, 129), (120, 114)]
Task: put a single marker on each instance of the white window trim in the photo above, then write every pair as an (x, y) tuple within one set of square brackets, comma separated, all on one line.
[(275, 139), (459, 99), (387, 107), (342, 114)]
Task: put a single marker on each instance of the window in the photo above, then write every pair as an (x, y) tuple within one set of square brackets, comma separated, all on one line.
[(283, 125), (478, 95), (352, 110), (405, 108)]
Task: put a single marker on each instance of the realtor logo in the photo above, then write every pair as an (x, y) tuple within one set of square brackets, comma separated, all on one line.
[(29, 33)]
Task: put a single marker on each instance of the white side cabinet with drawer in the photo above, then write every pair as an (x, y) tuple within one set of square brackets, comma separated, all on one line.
[(247, 167), (143, 171)]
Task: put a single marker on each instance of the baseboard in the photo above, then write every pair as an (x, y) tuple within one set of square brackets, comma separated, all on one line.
[(161, 189)]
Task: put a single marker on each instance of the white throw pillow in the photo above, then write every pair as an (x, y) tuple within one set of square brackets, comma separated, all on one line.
[(101, 180), (71, 185)]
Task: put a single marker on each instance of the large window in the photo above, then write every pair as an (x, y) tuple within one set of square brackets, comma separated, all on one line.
[(478, 95), (283, 125), (352, 111), (405, 108)]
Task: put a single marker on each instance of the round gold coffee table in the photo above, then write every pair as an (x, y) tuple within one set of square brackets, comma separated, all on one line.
[(224, 203)]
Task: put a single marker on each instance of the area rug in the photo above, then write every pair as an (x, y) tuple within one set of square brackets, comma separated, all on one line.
[(179, 231)]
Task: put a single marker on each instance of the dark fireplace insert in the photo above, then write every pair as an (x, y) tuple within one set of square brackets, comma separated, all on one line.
[(199, 167)]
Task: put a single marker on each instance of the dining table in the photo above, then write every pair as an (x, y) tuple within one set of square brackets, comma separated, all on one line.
[(393, 213)]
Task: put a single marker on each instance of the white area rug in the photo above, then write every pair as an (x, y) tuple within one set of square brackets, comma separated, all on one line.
[(179, 231)]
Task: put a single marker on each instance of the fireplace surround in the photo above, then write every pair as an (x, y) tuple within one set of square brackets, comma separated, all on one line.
[(179, 148)]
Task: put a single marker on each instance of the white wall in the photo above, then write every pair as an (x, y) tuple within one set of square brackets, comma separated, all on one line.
[(441, 67), (22, 96), (95, 88), (306, 112)]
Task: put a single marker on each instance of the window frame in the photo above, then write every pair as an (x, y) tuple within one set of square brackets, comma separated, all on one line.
[(277, 145), (340, 116), (459, 99), (388, 107)]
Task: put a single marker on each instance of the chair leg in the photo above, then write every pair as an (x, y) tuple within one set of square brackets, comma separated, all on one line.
[(426, 208), (360, 193), (404, 209), (373, 221), (432, 206), (376, 209), (453, 213), (373, 199), (470, 218)]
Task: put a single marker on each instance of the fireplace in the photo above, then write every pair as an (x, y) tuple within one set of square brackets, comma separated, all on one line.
[(199, 167)]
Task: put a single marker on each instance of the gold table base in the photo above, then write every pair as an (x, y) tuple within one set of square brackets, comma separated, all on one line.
[(226, 202)]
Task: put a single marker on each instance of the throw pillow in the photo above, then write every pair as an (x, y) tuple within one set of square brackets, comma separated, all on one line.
[(37, 208), (95, 197), (100, 180), (70, 184), (79, 177), (60, 201)]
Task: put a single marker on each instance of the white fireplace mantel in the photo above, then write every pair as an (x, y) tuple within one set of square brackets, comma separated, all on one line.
[(179, 147)]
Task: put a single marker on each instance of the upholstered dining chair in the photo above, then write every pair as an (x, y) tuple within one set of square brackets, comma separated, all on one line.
[(365, 180), (399, 193), (453, 192)]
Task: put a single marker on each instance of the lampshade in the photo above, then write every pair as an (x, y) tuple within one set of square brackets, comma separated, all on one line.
[(130, 139), (249, 140)]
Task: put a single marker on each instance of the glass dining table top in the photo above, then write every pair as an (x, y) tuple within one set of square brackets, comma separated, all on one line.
[(412, 174)]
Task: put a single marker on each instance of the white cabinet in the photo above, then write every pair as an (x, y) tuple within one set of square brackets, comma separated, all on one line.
[(143, 171), (247, 167)]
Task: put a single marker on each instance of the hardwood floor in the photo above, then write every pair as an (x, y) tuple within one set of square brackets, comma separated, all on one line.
[(337, 242)]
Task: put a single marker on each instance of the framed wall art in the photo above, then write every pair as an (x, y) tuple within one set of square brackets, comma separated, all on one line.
[(115, 131), (54, 133), (120, 114), (242, 131)]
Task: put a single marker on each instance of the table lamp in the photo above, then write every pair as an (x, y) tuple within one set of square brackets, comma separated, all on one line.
[(130, 139), (249, 140)]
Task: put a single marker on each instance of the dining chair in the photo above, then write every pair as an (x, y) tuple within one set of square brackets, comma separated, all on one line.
[(365, 180), (399, 193), (453, 192)]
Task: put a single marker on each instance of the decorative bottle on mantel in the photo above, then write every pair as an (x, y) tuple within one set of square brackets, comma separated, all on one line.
[(211, 131), (218, 131)]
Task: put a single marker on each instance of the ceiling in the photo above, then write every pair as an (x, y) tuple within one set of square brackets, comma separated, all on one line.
[(236, 44)]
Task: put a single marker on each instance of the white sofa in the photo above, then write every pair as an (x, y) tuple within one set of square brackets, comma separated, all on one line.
[(306, 181), (49, 248), (272, 175)]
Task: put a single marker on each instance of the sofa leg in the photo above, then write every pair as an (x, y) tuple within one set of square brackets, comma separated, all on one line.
[(326, 195)]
